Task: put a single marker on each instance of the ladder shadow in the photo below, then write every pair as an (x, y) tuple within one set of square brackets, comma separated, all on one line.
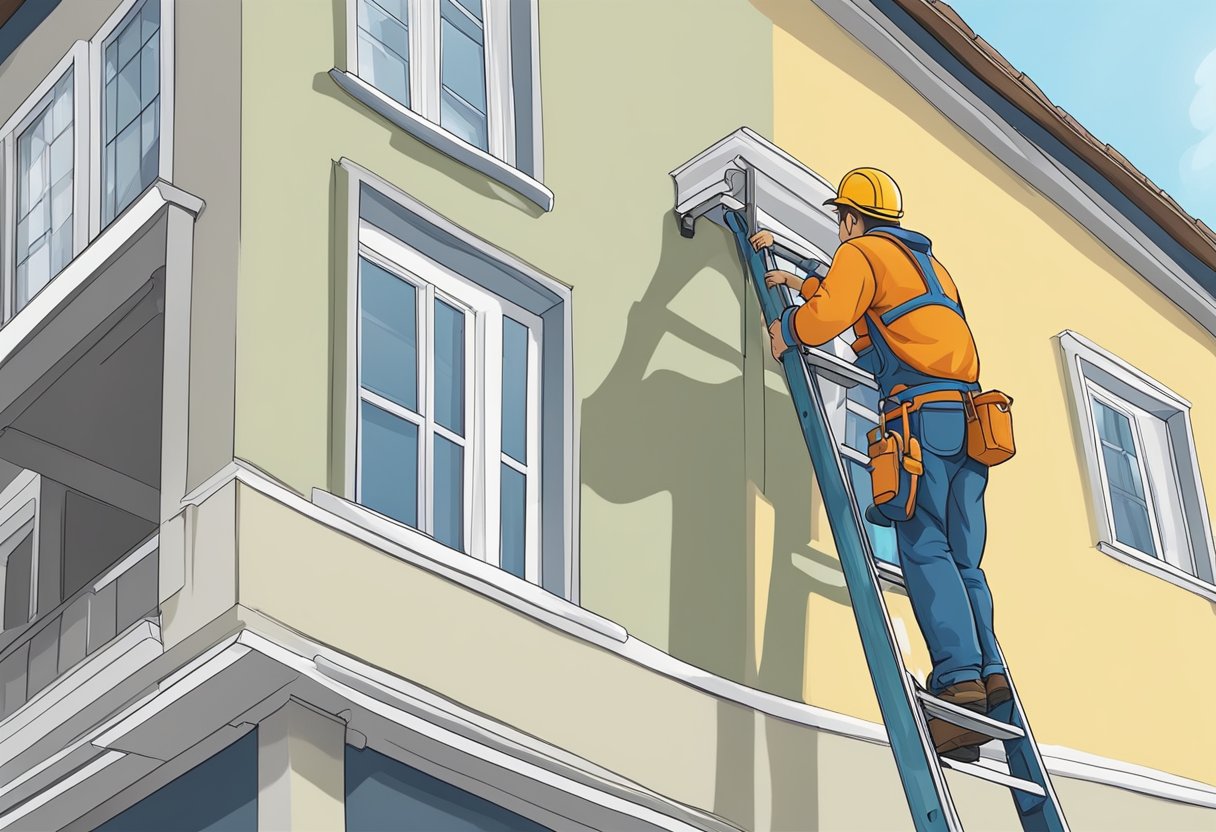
[(653, 427)]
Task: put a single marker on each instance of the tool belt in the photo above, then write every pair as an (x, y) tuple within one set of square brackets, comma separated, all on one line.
[(896, 466), (989, 421)]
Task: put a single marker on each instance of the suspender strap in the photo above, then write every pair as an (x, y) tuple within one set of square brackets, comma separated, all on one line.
[(934, 294)]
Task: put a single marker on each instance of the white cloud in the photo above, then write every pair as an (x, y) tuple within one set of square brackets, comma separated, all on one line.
[(1198, 164)]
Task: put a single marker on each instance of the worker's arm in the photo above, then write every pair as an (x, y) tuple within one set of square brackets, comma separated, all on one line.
[(833, 304), (764, 239)]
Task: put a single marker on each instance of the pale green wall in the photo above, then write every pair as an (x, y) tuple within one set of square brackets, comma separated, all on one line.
[(626, 98)]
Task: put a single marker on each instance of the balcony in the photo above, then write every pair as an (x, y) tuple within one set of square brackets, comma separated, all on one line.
[(35, 655)]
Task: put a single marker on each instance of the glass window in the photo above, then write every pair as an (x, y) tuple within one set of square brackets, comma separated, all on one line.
[(1124, 477), (45, 173), (218, 795), (382, 793), (462, 73), (414, 404), (131, 109), (384, 46)]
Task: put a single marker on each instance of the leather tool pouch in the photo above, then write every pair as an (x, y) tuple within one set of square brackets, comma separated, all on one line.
[(895, 469), (989, 427)]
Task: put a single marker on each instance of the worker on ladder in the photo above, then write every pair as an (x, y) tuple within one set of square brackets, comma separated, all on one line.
[(911, 333)]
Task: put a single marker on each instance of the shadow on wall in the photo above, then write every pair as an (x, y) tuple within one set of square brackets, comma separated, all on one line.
[(647, 432)]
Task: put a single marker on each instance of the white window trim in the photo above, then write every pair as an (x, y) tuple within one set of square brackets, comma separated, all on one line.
[(76, 60), (422, 122), (568, 510), (19, 503), (1076, 348), (97, 90)]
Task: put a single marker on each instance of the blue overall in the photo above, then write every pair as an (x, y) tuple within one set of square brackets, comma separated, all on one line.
[(941, 545)]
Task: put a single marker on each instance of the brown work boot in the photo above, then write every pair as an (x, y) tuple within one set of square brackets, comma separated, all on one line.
[(954, 742), (970, 694), (997, 688)]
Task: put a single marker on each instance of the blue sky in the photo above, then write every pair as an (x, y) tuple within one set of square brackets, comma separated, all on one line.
[(1139, 74)]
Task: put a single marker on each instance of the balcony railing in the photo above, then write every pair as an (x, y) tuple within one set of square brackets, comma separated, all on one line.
[(52, 644)]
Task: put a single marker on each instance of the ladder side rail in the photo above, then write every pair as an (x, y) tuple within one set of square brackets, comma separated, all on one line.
[(923, 780)]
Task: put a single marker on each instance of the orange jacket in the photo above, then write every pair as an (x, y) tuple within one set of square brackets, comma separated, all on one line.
[(875, 274)]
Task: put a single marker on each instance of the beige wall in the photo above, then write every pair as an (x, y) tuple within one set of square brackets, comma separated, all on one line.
[(757, 771)]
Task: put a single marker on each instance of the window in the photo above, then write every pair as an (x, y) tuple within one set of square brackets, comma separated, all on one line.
[(426, 337), (461, 416), (1140, 453), (45, 163), (851, 400), (382, 793), (43, 146), (455, 47), (461, 75), (130, 131)]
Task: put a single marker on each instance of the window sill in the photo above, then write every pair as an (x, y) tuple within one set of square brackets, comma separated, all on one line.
[(1160, 569), (442, 140), (421, 550)]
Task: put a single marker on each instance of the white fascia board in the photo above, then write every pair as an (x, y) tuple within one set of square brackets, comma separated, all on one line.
[(210, 694), (746, 172)]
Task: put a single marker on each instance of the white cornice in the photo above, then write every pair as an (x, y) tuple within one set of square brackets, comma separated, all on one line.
[(746, 172)]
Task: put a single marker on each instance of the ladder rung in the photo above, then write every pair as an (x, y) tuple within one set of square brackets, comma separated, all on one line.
[(995, 776), (971, 720)]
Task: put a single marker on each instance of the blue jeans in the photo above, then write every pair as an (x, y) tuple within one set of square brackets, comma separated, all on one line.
[(940, 549)]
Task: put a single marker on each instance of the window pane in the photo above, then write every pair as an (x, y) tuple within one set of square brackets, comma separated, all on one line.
[(448, 498), (130, 130), (383, 794), (389, 332), (463, 120), (389, 30), (149, 68), (515, 390), (45, 158), (388, 472), (1132, 523), (449, 367), (383, 69), (514, 506), (17, 583), (463, 75), (882, 538), (384, 47), (1123, 478), (126, 167)]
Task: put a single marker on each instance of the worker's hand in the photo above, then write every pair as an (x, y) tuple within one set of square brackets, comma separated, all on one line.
[(761, 240), (780, 278), (778, 340)]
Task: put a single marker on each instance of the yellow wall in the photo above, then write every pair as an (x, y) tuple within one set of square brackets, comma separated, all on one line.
[(1103, 654)]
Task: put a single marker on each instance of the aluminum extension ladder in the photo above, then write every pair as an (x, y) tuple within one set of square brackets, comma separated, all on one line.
[(905, 706)]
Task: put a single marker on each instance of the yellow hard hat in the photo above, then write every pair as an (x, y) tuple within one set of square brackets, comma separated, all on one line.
[(872, 192)]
